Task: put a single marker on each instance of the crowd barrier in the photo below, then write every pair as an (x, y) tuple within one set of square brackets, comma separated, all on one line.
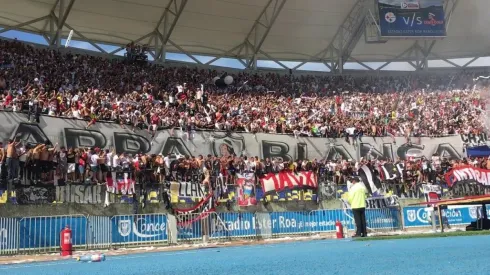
[(42, 234), (419, 216)]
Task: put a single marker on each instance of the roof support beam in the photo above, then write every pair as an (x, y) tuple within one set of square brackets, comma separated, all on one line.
[(183, 51), (175, 9), (50, 12), (261, 28), (445, 60), (18, 26), (471, 61), (346, 37), (361, 63), (407, 52), (239, 47), (62, 16), (449, 12), (135, 41), (273, 59)]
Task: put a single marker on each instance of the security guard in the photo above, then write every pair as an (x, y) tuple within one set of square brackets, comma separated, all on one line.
[(357, 200)]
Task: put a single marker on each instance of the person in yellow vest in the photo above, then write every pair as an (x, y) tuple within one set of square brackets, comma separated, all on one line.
[(357, 199)]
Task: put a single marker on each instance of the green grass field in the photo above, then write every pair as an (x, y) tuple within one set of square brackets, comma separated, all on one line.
[(425, 235)]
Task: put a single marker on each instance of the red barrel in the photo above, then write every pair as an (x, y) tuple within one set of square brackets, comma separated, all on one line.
[(339, 229), (65, 242)]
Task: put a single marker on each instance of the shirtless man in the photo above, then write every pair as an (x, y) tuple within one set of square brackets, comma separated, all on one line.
[(46, 161), (36, 153), (12, 160)]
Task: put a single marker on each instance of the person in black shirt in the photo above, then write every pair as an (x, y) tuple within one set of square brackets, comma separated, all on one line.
[(204, 98), (268, 167), (216, 166)]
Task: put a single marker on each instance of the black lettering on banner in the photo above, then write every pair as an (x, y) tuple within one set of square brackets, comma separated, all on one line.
[(410, 150), (409, 192), (337, 151), (194, 177), (131, 143), (31, 133), (302, 151), (79, 194), (275, 149), (380, 203), (386, 153), (474, 140), (446, 150), (467, 188), (190, 189), (76, 138), (377, 202), (175, 145)]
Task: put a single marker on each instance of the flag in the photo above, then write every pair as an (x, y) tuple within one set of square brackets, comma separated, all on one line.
[(220, 188), (68, 40), (201, 210), (246, 189), (370, 181), (390, 171)]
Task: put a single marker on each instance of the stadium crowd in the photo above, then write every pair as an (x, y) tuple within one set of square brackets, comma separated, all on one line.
[(149, 96)]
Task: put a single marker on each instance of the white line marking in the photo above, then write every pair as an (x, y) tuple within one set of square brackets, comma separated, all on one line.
[(161, 254)]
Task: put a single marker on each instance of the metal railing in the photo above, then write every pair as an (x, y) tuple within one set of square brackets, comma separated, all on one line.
[(42, 234), (139, 230), (9, 230)]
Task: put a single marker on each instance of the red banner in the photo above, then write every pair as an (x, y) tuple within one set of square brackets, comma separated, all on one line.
[(289, 180), (467, 172), (186, 216)]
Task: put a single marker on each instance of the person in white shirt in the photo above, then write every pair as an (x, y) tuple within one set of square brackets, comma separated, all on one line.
[(167, 162), (94, 165), (115, 166)]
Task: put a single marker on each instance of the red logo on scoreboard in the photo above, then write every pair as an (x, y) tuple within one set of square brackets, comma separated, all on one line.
[(433, 21)]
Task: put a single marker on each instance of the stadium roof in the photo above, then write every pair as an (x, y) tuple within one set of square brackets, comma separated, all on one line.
[(285, 30)]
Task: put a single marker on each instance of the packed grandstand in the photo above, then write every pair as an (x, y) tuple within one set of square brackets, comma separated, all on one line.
[(141, 96), (96, 89), (218, 150), (147, 97)]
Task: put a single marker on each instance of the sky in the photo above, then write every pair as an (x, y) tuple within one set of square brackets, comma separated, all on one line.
[(235, 64)]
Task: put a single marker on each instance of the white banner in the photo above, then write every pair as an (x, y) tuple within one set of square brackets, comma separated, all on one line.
[(289, 180), (73, 133)]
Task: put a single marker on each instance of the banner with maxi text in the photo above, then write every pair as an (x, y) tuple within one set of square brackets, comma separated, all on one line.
[(288, 180)]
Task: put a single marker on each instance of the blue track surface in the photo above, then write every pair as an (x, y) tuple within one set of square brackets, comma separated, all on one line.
[(459, 255)]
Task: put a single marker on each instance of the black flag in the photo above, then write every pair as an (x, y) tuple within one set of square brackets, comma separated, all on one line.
[(370, 181)]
